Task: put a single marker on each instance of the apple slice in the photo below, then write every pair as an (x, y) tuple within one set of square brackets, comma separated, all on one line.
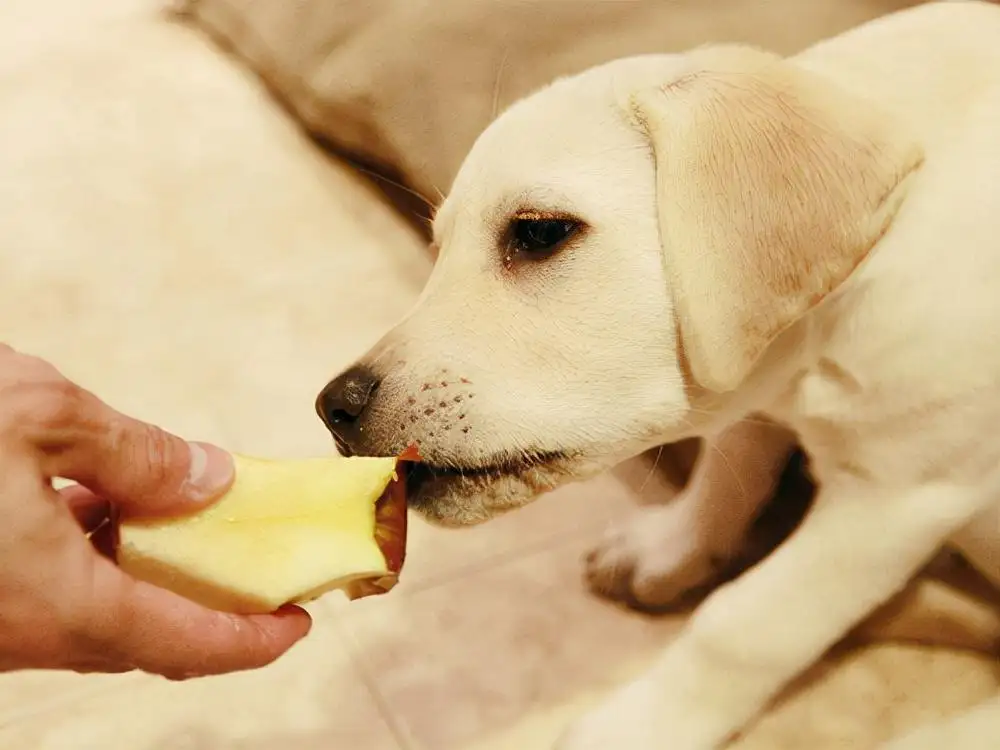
[(286, 532)]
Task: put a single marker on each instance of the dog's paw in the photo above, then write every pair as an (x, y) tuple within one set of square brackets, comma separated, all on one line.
[(652, 560)]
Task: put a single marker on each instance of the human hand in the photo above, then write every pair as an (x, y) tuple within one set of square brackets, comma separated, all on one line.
[(64, 605)]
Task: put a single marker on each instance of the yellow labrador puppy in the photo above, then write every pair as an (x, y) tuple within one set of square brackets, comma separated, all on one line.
[(741, 247)]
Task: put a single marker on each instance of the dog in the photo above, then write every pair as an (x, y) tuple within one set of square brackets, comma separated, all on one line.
[(758, 251)]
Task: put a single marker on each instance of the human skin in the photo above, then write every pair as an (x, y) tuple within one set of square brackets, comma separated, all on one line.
[(64, 604)]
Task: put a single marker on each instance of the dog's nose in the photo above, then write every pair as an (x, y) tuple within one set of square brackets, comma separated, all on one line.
[(342, 403)]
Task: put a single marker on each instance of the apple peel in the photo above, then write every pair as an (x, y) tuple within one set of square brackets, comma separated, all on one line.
[(286, 532), (390, 531)]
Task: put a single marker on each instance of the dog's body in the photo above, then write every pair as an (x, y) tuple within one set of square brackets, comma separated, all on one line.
[(752, 250)]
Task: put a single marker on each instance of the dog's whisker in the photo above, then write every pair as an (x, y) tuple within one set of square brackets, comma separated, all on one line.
[(746, 419), (729, 465), (652, 469), (399, 186), (495, 106)]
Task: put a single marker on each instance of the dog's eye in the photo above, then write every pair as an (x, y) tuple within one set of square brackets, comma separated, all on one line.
[(540, 237)]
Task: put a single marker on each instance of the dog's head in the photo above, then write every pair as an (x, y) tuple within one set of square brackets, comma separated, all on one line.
[(617, 253)]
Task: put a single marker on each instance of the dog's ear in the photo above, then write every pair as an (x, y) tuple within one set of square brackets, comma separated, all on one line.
[(772, 186)]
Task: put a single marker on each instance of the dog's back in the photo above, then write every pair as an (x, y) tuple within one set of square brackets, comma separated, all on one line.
[(917, 326), (929, 63)]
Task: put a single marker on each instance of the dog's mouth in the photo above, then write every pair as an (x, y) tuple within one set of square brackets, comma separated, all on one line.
[(427, 481), (423, 471)]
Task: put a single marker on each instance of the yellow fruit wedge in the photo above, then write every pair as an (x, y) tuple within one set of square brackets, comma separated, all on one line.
[(286, 532)]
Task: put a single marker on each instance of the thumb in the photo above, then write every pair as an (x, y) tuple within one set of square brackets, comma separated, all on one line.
[(138, 467), (160, 632)]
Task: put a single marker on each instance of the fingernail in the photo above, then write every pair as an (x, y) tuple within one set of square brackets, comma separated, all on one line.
[(211, 472), (300, 615), (292, 610)]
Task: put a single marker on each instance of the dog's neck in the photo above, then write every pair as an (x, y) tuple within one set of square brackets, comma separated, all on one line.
[(768, 388)]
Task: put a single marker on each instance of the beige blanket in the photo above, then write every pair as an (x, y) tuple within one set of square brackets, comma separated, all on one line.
[(171, 240), (409, 84)]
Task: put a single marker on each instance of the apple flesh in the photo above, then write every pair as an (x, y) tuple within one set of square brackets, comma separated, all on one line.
[(286, 532)]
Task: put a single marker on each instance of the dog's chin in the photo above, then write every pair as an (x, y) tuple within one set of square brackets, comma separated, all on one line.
[(457, 497)]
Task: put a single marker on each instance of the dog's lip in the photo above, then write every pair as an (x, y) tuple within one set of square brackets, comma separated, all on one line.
[(424, 471), (436, 492), (511, 465)]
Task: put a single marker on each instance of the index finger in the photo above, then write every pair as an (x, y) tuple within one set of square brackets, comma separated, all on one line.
[(137, 466)]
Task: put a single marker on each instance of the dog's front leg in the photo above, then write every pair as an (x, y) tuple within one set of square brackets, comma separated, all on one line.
[(659, 553), (860, 545), (977, 728)]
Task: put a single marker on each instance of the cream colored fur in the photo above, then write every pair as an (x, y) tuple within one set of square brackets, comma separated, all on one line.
[(773, 250)]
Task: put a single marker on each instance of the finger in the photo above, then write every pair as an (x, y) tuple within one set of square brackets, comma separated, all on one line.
[(89, 509), (138, 467), (160, 632)]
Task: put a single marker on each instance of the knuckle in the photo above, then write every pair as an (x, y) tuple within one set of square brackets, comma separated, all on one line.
[(147, 448), (56, 405), (34, 394), (17, 366), (37, 407)]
